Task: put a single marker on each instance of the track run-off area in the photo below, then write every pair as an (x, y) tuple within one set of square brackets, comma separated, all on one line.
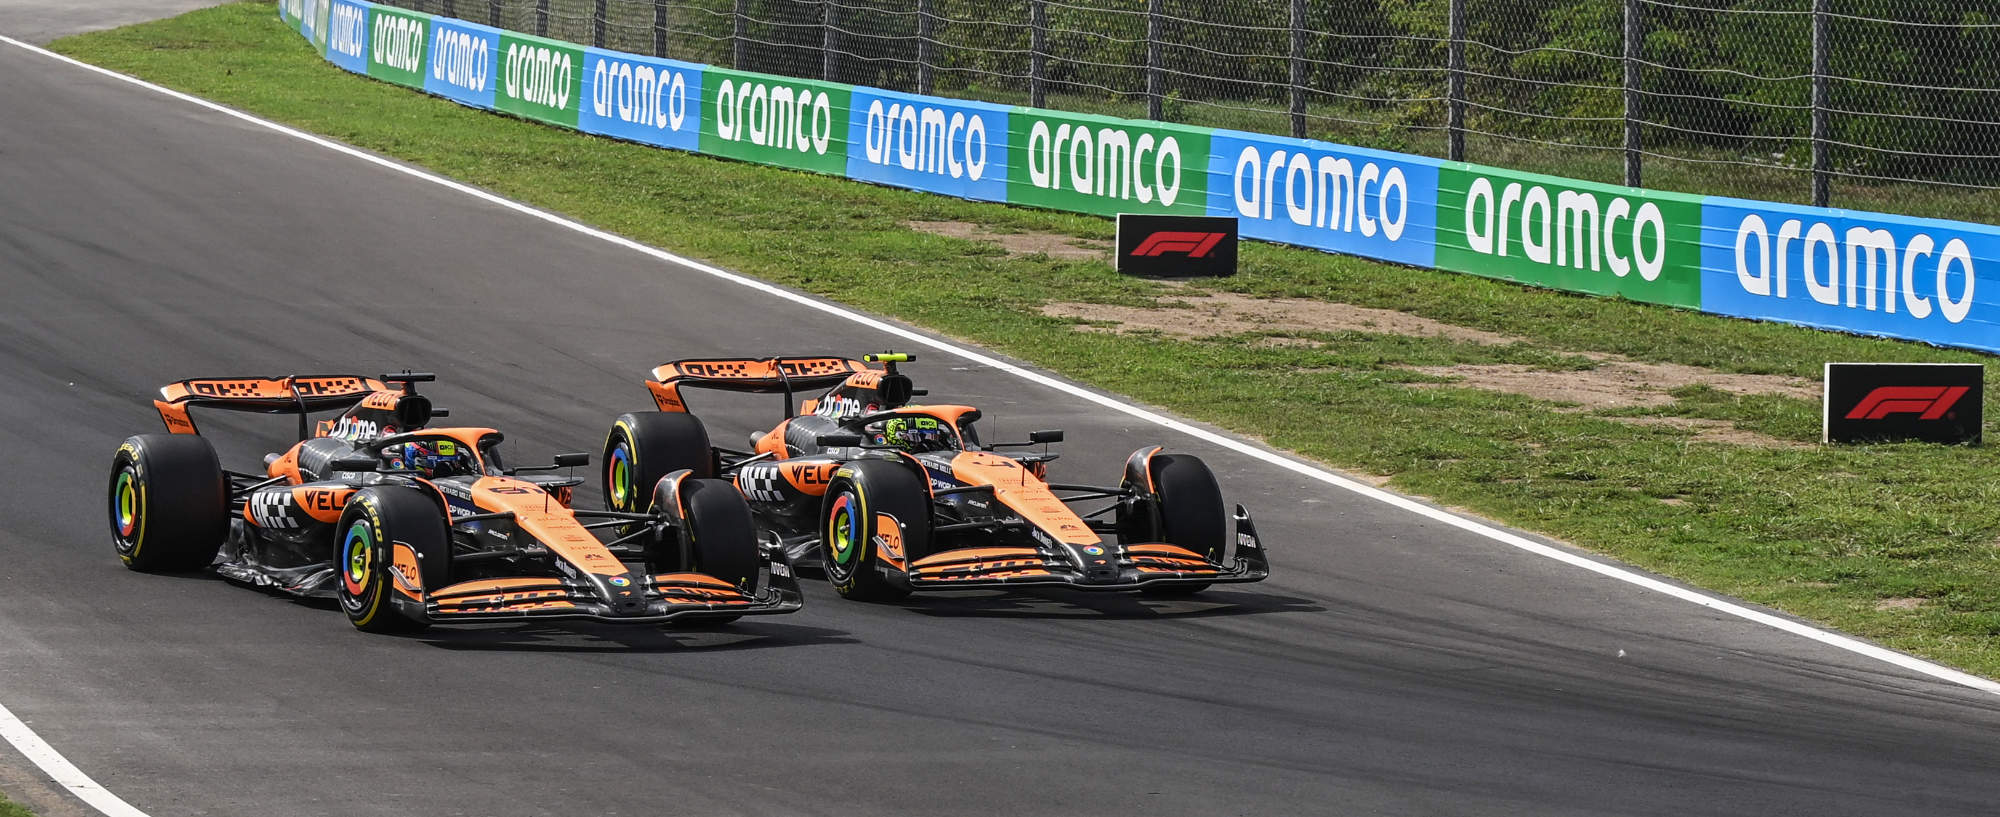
[(1400, 660)]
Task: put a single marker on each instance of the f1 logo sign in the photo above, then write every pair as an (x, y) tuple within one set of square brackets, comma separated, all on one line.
[(1176, 245), (1884, 402), (1193, 245), (1928, 402)]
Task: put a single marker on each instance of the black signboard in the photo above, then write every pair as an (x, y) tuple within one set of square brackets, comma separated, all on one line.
[(1176, 245), (1878, 402)]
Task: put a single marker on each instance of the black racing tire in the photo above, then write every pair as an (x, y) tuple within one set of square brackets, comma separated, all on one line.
[(1191, 513), (169, 503), (851, 519), (644, 446), (363, 546), (720, 534)]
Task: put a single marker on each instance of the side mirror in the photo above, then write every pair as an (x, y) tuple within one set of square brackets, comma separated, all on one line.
[(572, 460), (838, 439), (1052, 435), (355, 462)]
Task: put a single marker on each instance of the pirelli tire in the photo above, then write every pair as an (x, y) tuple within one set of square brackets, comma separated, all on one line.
[(1186, 509), (644, 446), (374, 521), (719, 536), (857, 499), (169, 502)]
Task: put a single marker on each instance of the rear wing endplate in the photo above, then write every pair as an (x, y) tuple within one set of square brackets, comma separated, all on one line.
[(291, 394)]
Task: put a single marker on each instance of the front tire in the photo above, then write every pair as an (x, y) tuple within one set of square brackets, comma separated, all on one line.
[(878, 499), (169, 502), (720, 535), (364, 551), (1188, 512)]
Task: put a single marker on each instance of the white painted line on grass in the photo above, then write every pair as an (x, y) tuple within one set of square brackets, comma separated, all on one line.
[(1826, 637), (58, 768)]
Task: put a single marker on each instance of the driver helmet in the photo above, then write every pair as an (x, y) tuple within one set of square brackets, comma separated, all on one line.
[(438, 458), (915, 434)]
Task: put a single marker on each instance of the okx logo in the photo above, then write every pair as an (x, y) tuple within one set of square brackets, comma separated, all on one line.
[(1927, 402), (1176, 245)]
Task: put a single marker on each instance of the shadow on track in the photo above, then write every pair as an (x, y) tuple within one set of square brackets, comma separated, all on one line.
[(589, 637), (1110, 606)]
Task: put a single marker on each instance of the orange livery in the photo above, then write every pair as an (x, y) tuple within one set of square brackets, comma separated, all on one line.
[(406, 524), (890, 496)]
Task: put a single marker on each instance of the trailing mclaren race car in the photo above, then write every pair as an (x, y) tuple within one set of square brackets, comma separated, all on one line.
[(891, 497), (409, 525)]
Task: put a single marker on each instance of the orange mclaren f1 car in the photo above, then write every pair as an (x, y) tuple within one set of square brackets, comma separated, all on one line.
[(891, 497), (408, 525)]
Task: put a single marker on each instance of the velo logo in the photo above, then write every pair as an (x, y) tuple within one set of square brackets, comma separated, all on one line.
[(1193, 245), (1929, 402)]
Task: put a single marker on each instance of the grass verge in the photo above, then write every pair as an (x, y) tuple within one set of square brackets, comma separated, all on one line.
[(9, 809), (1897, 543)]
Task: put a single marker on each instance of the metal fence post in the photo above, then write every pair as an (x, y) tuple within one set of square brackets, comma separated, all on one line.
[(829, 68), (493, 13), (660, 28), (597, 22), (1454, 89), (1155, 83), (1822, 163), (926, 77), (1632, 37), (1298, 69), (736, 34), (541, 18), (1038, 53)]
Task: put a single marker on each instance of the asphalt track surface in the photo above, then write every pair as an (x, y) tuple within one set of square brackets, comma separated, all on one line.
[(1393, 665)]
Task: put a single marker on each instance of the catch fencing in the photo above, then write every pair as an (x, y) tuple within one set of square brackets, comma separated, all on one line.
[(1873, 104)]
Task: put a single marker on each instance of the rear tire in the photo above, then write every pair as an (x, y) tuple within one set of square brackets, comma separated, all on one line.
[(853, 519), (647, 445), (364, 553), (169, 503), (1190, 513)]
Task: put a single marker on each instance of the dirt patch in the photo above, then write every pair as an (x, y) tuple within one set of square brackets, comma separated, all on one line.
[(1018, 244), (1713, 431), (1226, 313), (1899, 604), (1615, 382)]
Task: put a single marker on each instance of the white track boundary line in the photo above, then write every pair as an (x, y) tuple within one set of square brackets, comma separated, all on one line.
[(18, 734), (58, 768)]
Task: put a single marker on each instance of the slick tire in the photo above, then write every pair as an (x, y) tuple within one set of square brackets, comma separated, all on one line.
[(1191, 513), (720, 535), (644, 446), (855, 511), (364, 553), (169, 503)]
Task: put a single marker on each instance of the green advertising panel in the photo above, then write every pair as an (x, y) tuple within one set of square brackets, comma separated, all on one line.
[(1103, 165), (795, 123), (396, 43), (1571, 235), (321, 11), (540, 79)]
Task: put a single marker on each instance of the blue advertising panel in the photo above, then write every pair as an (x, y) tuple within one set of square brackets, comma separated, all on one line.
[(925, 143), (1920, 279), (347, 35), (1326, 196), (642, 99), (462, 62)]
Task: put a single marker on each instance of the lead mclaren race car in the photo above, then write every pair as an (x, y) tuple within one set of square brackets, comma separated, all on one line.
[(408, 525), (891, 497)]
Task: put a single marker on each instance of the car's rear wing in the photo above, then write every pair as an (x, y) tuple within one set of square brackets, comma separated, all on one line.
[(774, 375), (299, 394)]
